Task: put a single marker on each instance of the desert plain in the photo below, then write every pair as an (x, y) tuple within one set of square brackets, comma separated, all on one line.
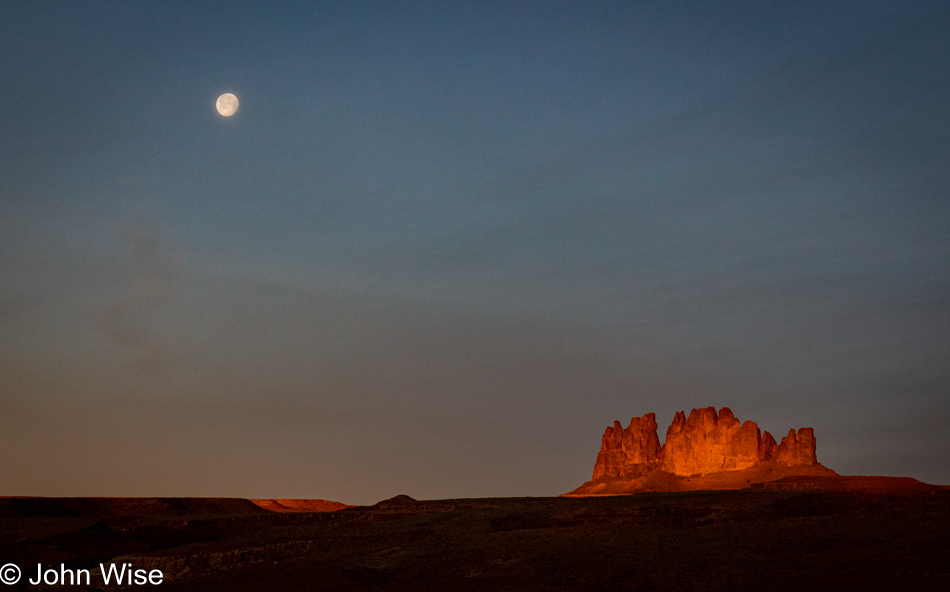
[(796, 533)]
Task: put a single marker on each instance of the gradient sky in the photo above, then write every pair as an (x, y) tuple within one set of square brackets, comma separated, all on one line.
[(441, 246)]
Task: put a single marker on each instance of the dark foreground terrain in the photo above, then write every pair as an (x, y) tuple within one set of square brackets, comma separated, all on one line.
[(800, 538)]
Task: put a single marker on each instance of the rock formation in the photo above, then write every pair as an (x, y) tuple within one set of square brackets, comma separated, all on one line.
[(709, 443), (299, 505), (704, 444), (797, 449), (630, 452)]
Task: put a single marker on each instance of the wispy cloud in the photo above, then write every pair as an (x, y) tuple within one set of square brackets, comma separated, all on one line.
[(123, 321)]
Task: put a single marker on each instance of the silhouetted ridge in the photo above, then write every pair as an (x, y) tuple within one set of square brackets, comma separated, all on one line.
[(124, 506)]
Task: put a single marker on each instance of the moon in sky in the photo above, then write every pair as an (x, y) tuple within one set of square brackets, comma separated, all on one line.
[(227, 104)]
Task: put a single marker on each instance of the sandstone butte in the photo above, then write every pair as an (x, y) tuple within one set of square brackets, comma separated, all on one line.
[(706, 450)]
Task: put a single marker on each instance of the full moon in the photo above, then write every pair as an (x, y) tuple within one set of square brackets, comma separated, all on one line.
[(227, 104)]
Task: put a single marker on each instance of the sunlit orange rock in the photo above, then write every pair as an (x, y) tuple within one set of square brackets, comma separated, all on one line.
[(708, 442), (706, 450), (797, 449), (610, 458), (767, 446), (629, 452)]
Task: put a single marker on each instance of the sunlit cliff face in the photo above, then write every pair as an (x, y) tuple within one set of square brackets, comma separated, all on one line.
[(702, 444)]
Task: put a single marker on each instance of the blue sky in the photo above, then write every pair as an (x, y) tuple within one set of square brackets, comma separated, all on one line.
[(439, 248)]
